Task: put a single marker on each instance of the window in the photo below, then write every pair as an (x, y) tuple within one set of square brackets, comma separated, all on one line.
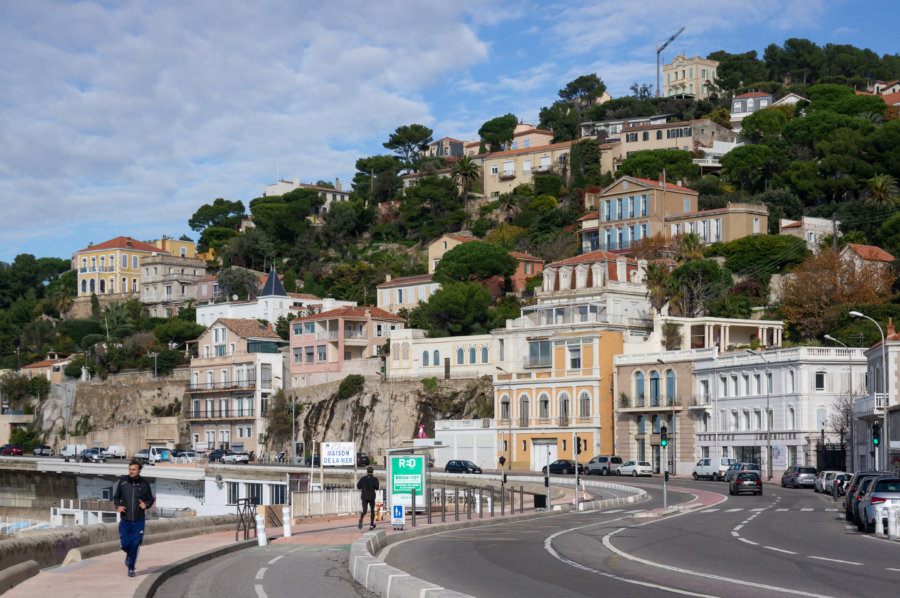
[(509, 168), (539, 353), (526, 165), (769, 382), (310, 354), (234, 492), (654, 388), (544, 406), (494, 169), (425, 358), (124, 260), (472, 355), (584, 405), (134, 262), (790, 418), (704, 390), (545, 162), (322, 353), (670, 385), (484, 355), (645, 136), (309, 328), (641, 424), (564, 409), (820, 380), (574, 357), (436, 357), (746, 380), (278, 494), (639, 387), (254, 493), (504, 407), (298, 355), (821, 418), (756, 226), (790, 381), (460, 357)]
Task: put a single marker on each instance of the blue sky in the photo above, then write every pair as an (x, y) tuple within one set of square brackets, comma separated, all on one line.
[(123, 117)]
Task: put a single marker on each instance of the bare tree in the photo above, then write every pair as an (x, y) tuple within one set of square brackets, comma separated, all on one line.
[(841, 418)]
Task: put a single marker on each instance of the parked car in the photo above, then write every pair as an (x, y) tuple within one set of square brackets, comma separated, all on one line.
[(216, 455), (740, 467), (564, 466), (857, 498), (635, 468), (43, 451), (236, 458), (713, 468), (882, 491), (853, 486), (92, 455), (798, 475), (838, 486), (362, 459), (143, 456), (603, 465), (313, 461), (461, 466), (745, 481), (10, 450), (823, 480)]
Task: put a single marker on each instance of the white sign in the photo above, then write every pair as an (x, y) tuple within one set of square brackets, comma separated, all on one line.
[(338, 453), (398, 515)]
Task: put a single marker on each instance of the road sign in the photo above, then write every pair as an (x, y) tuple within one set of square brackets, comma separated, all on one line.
[(407, 473), (338, 453), (398, 515)]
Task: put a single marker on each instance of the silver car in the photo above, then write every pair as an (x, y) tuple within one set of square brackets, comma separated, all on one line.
[(881, 491), (739, 467), (798, 475)]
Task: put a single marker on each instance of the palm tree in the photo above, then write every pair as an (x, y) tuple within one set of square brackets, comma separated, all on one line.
[(465, 173), (657, 281), (884, 190), (690, 248)]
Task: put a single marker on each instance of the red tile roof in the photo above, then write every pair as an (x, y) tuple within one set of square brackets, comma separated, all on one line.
[(891, 99), (303, 296), (460, 239), (593, 256), (397, 282), (530, 150), (792, 225), (123, 243), (421, 173), (673, 125), (530, 131), (247, 328), (590, 216), (524, 256), (870, 252), (376, 313), (658, 185), (45, 363), (754, 94)]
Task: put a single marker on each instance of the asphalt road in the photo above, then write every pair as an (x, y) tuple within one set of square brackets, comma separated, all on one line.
[(785, 542)]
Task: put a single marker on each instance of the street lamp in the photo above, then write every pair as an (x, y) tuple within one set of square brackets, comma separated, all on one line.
[(851, 422), (768, 415), (508, 421), (884, 374), (154, 363)]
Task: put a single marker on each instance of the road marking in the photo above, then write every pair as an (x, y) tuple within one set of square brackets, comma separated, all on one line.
[(733, 510), (614, 511), (275, 560), (737, 528), (709, 510), (759, 510), (822, 558), (892, 569), (260, 592), (779, 550), (831, 510), (781, 510), (735, 534), (746, 541), (636, 511), (261, 573), (806, 510)]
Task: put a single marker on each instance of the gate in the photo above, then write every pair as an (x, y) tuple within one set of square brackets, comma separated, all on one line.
[(831, 457)]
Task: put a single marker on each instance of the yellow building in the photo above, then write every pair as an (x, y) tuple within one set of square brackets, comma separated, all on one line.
[(504, 171), (176, 247), (112, 267), (689, 77), (563, 391)]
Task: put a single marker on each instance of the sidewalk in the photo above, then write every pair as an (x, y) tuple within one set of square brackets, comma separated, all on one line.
[(106, 577)]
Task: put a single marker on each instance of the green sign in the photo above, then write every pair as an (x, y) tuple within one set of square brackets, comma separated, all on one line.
[(408, 472)]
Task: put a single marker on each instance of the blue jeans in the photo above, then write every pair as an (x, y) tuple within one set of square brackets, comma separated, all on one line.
[(131, 534)]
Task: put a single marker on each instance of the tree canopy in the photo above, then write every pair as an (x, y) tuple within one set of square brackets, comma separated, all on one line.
[(474, 261), (221, 213), (498, 132), (408, 141)]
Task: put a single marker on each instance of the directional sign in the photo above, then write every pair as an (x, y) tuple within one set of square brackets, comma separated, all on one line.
[(338, 453)]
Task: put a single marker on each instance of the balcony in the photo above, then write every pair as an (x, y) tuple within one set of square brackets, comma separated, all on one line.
[(507, 175), (355, 335), (329, 335), (214, 386), (870, 406), (538, 361), (86, 269), (221, 414)]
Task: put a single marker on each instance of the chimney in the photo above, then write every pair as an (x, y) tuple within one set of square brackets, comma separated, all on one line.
[(387, 277), (128, 243), (662, 179), (890, 327), (337, 184)]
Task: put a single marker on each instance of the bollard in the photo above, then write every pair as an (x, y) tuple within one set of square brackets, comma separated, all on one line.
[(261, 539), (468, 504), (286, 519), (428, 500), (480, 505), (892, 522), (521, 499), (456, 502), (502, 502), (512, 500), (492, 502), (443, 505), (413, 507), (879, 524)]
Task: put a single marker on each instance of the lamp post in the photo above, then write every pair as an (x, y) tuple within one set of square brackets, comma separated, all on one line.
[(768, 423), (850, 366), (154, 363), (509, 422), (884, 427)]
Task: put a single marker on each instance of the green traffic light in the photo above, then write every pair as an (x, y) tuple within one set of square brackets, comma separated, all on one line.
[(665, 442)]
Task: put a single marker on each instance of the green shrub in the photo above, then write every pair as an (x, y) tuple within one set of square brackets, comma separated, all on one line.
[(351, 385), (430, 384)]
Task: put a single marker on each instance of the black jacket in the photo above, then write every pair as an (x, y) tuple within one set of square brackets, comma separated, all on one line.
[(367, 485), (129, 492)]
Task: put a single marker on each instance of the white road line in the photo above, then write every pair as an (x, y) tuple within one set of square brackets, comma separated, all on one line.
[(735, 534), (892, 569), (806, 510), (759, 510), (709, 510), (261, 573), (636, 511), (737, 528), (779, 550), (614, 511), (275, 560), (822, 558), (260, 592), (733, 510), (781, 510), (746, 541), (831, 510)]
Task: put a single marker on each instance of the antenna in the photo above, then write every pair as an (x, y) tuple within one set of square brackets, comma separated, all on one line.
[(659, 49)]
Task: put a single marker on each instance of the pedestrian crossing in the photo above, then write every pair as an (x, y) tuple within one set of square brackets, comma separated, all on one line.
[(757, 510)]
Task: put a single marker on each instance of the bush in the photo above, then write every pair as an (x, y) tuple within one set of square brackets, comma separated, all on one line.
[(351, 385), (429, 384)]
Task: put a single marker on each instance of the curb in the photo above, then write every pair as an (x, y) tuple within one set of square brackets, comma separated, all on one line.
[(382, 579), (16, 574), (92, 550)]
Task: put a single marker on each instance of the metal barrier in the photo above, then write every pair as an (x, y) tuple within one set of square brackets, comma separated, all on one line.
[(330, 502)]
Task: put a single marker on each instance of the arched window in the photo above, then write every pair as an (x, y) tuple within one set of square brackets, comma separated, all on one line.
[(102, 286), (84, 286), (424, 358), (639, 389), (791, 381), (436, 360), (544, 406), (460, 357), (564, 409), (406, 351), (584, 404), (472, 355), (484, 355), (654, 388), (670, 384), (790, 418), (524, 412), (504, 407)]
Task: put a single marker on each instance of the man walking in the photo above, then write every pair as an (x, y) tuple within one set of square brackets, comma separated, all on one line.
[(367, 486), (132, 497)]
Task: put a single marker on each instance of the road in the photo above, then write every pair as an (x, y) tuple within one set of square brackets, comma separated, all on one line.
[(785, 542)]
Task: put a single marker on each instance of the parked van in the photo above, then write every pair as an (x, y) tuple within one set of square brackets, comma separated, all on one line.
[(116, 451), (713, 468), (72, 451)]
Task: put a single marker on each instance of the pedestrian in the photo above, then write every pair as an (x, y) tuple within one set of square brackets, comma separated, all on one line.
[(367, 486), (133, 496)]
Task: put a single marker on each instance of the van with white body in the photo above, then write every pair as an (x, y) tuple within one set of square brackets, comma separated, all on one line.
[(159, 453), (115, 451), (713, 468), (72, 451)]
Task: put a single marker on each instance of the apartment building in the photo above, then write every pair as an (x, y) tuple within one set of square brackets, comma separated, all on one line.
[(168, 282), (746, 104), (877, 403), (446, 147), (238, 368), (327, 194), (406, 292), (734, 221), (443, 244), (812, 230), (504, 171), (689, 77), (688, 136), (611, 130), (112, 267), (176, 247)]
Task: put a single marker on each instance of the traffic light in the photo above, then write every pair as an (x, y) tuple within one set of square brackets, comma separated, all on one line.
[(876, 433), (546, 481), (577, 445), (504, 478), (663, 436)]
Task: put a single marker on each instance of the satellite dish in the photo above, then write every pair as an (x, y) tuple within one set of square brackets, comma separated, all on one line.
[(234, 297), (219, 481)]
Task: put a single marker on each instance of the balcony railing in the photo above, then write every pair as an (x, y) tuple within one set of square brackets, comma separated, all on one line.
[(523, 422), (328, 335), (507, 175), (538, 361), (356, 334), (221, 413), (232, 385), (563, 420), (85, 269)]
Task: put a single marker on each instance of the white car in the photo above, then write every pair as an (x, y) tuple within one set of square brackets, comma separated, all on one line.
[(635, 468), (235, 458), (823, 481)]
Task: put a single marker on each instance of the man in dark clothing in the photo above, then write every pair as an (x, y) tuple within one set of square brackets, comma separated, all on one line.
[(367, 486), (132, 497)]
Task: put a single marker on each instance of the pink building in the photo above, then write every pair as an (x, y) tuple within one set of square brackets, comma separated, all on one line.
[(333, 344)]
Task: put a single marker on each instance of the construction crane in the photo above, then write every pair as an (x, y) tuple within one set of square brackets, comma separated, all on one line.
[(659, 49)]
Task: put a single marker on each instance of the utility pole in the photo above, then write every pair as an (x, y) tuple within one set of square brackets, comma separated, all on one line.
[(659, 49)]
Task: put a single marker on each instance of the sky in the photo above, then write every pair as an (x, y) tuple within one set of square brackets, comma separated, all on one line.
[(121, 117)]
